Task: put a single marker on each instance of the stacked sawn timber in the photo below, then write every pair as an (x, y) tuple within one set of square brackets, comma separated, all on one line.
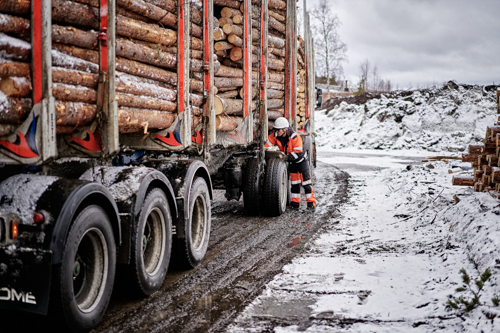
[(485, 161), (301, 84)]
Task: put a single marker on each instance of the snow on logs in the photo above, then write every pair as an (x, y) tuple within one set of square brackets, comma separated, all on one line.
[(146, 63), (485, 161)]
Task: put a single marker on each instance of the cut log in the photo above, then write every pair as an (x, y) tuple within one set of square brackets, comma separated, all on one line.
[(14, 48), (227, 123), (85, 54), (73, 36), (150, 11), (16, 87), (74, 77), (276, 42), (275, 103), (14, 110), (275, 85), (273, 115), (69, 93), (229, 94), (274, 93), (277, 25), (149, 103), (277, 16), (225, 71), (221, 46), (149, 32), (238, 19), (276, 64), (18, 7), (278, 52), (462, 180), (6, 129), (235, 40), (228, 3), (74, 114), (219, 35), (130, 50), (229, 106), (232, 29), (72, 13), (127, 13), (60, 59), (135, 85), (14, 25), (225, 20), (137, 120), (236, 53), (229, 12), (168, 5)]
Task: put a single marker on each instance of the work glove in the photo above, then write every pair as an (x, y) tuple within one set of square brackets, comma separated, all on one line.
[(290, 158)]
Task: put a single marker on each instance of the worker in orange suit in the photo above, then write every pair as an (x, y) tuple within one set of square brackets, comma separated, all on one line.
[(290, 143)]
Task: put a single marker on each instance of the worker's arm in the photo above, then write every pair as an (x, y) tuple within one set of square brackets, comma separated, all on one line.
[(297, 153)]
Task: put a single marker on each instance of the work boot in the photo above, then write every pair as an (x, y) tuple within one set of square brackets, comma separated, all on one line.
[(294, 206), (311, 207)]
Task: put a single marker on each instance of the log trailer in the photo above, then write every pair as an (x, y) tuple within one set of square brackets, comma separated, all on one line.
[(118, 118)]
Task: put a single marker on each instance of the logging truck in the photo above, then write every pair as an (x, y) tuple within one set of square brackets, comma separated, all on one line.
[(118, 119)]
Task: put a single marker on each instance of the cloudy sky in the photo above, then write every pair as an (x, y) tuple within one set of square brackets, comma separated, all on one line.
[(416, 43)]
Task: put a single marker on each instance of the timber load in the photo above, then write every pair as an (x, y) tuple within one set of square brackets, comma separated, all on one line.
[(301, 84), (485, 160)]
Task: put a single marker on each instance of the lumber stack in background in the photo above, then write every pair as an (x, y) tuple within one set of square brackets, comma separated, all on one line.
[(485, 160)]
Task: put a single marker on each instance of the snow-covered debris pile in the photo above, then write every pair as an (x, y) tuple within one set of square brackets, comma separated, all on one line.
[(448, 118)]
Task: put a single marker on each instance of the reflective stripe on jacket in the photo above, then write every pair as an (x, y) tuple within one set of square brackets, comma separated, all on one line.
[(290, 144)]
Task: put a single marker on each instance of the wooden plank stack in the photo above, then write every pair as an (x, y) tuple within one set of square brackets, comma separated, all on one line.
[(485, 160)]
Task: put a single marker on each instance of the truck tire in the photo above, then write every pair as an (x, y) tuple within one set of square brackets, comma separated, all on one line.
[(151, 244), (313, 155), (83, 282), (252, 196), (275, 187), (193, 246)]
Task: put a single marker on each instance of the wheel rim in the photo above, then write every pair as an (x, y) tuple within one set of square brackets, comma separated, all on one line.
[(283, 189), (153, 241), (90, 270), (198, 222)]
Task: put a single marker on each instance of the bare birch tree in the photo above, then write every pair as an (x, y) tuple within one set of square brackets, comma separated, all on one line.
[(329, 49)]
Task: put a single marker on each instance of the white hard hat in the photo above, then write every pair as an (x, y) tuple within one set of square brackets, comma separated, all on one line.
[(280, 123)]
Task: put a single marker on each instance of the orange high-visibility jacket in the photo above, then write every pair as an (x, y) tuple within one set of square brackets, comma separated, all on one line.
[(290, 144)]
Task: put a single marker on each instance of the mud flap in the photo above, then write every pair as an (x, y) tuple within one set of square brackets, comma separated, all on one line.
[(25, 276)]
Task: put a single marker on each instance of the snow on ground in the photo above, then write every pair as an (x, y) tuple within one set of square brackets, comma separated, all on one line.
[(392, 262)]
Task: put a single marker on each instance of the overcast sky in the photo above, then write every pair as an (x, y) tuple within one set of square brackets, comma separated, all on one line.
[(420, 42)]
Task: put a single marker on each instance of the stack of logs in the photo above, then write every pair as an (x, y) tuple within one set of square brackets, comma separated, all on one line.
[(485, 160), (229, 48), (146, 63), (301, 84)]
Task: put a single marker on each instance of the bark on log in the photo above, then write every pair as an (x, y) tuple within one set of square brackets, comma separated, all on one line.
[(72, 13), (74, 77), (221, 46), (462, 180), (168, 5), (127, 13), (229, 94), (149, 32), (236, 53), (275, 103), (227, 123), (276, 25), (69, 93), (225, 20), (131, 84), (276, 64), (14, 25), (277, 4), (16, 87), (149, 103), (229, 106), (85, 54), (14, 110), (276, 77), (227, 82), (18, 7), (225, 71), (275, 85), (74, 114), (14, 48), (276, 42), (278, 52), (274, 93), (273, 115), (232, 29), (150, 11), (228, 3), (61, 59), (137, 120), (229, 12), (6, 129), (73, 36), (235, 40), (277, 16)]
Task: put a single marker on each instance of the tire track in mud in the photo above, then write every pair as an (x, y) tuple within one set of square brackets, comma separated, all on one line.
[(245, 253)]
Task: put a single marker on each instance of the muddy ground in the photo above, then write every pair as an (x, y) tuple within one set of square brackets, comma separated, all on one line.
[(245, 253)]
